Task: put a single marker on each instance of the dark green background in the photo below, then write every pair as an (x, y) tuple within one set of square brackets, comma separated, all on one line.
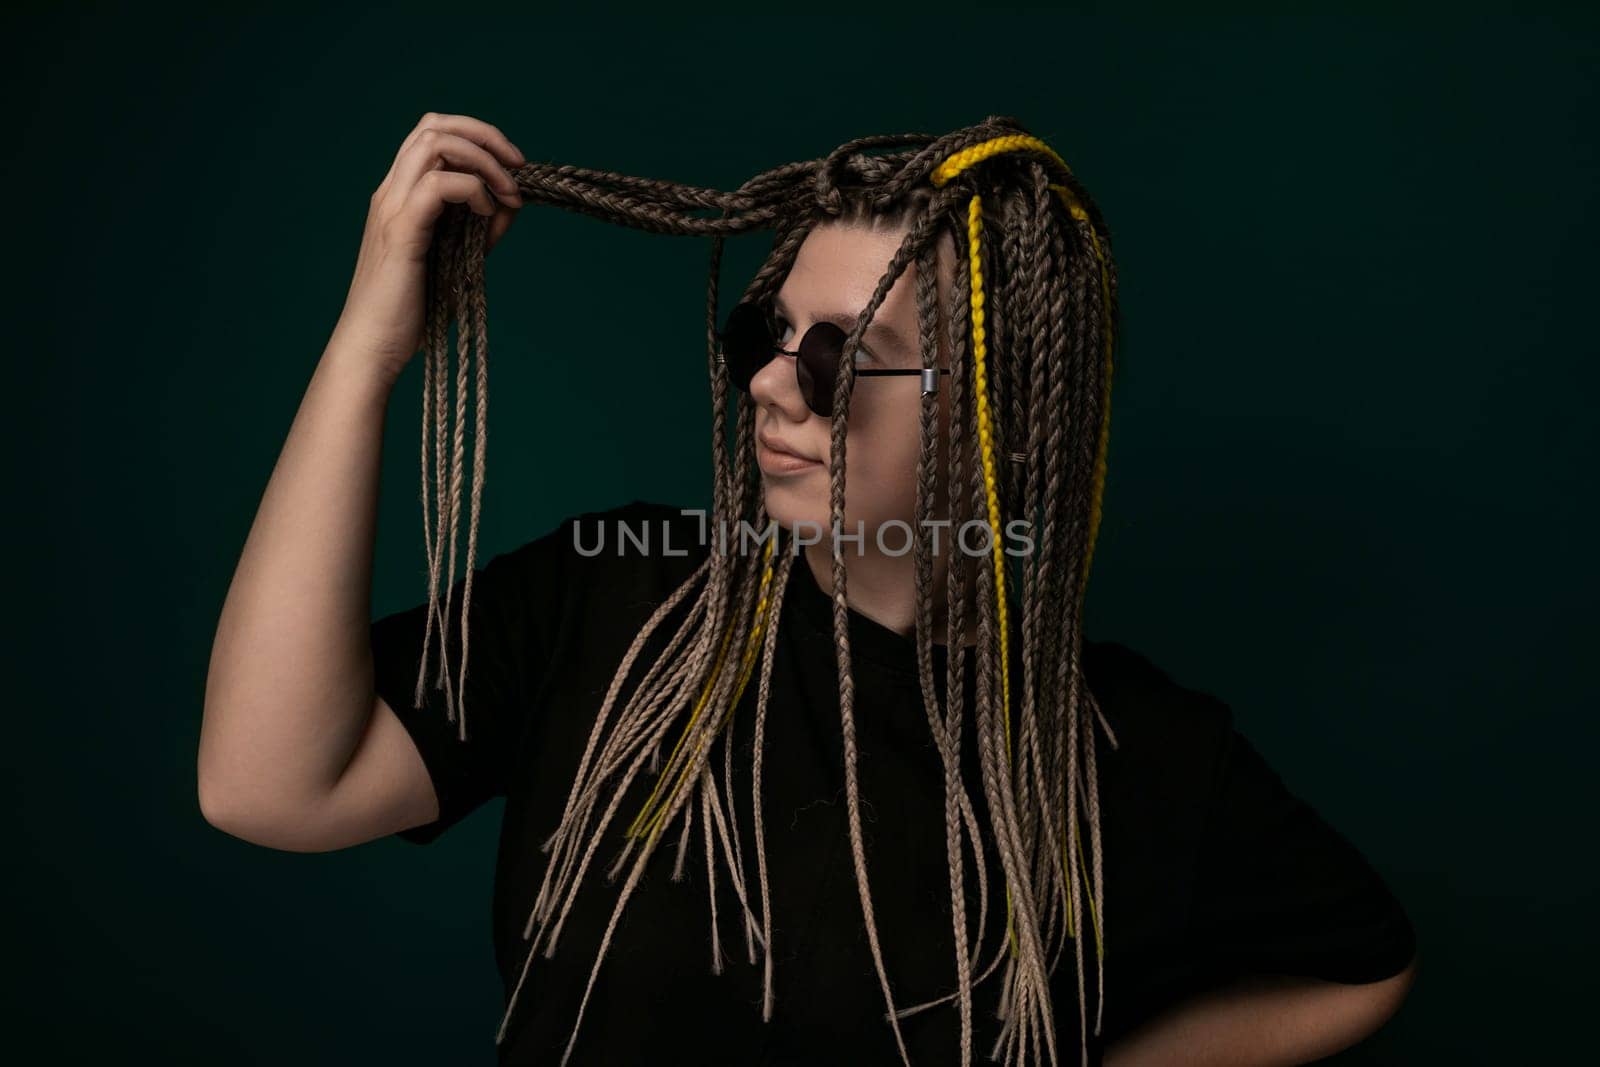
[(1351, 451)]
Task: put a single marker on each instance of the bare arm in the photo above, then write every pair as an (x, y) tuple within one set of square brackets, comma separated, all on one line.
[(289, 692), (296, 750), (1263, 1022)]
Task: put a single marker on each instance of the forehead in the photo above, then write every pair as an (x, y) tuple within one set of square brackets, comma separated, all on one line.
[(839, 266)]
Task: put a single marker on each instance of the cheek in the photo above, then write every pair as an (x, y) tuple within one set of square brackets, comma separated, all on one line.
[(883, 451)]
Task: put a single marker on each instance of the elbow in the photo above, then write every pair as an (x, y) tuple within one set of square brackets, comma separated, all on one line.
[(211, 791), (262, 824), (224, 810), (216, 782), (1383, 998), (235, 796), (211, 803), (255, 818), (217, 791), (1398, 987)]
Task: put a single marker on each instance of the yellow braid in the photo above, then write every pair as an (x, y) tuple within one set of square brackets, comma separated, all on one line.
[(638, 828), (967, 157), (948, 169), (980, 390), (980, 387)]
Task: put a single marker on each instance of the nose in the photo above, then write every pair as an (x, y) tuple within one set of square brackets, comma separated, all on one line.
[(777, 385)]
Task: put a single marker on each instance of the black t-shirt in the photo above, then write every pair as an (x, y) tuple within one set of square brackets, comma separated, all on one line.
[(1212, 868)]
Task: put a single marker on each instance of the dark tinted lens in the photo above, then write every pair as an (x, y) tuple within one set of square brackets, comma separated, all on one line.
[(746, 344), (820, 350)]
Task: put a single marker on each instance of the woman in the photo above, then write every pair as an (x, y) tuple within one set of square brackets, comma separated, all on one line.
[(770, 690)]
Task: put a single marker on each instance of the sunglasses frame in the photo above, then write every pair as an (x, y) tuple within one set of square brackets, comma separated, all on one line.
[(808, 367)]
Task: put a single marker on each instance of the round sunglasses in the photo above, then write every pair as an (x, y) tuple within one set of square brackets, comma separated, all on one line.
[(748, 343)]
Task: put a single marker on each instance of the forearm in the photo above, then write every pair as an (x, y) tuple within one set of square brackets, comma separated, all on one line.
[(1262, 1022), (288, 690)]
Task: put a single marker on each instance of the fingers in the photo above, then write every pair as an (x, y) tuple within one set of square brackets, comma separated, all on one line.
[(434, 150), (475, 130), (436, 188), (456, 142)]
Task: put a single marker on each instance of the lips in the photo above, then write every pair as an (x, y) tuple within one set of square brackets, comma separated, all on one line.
[(782, 449)]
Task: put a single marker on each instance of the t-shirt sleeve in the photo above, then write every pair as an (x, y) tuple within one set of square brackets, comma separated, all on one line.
[(516, 599), (1280, 891)]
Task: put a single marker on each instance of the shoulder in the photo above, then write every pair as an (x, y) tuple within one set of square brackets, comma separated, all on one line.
[(1137, 694), (622, 560), (1166, 729), (642, 540), (639, 536), (606, 557), (655, 526)]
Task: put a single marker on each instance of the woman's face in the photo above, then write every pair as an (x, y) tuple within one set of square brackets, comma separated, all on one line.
[(834, 274)]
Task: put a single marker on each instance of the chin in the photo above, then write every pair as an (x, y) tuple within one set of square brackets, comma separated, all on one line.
[(793, 504), (788, 505)]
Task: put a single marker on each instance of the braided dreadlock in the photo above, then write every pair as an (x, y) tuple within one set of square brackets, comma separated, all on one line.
[(1031, 331)]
